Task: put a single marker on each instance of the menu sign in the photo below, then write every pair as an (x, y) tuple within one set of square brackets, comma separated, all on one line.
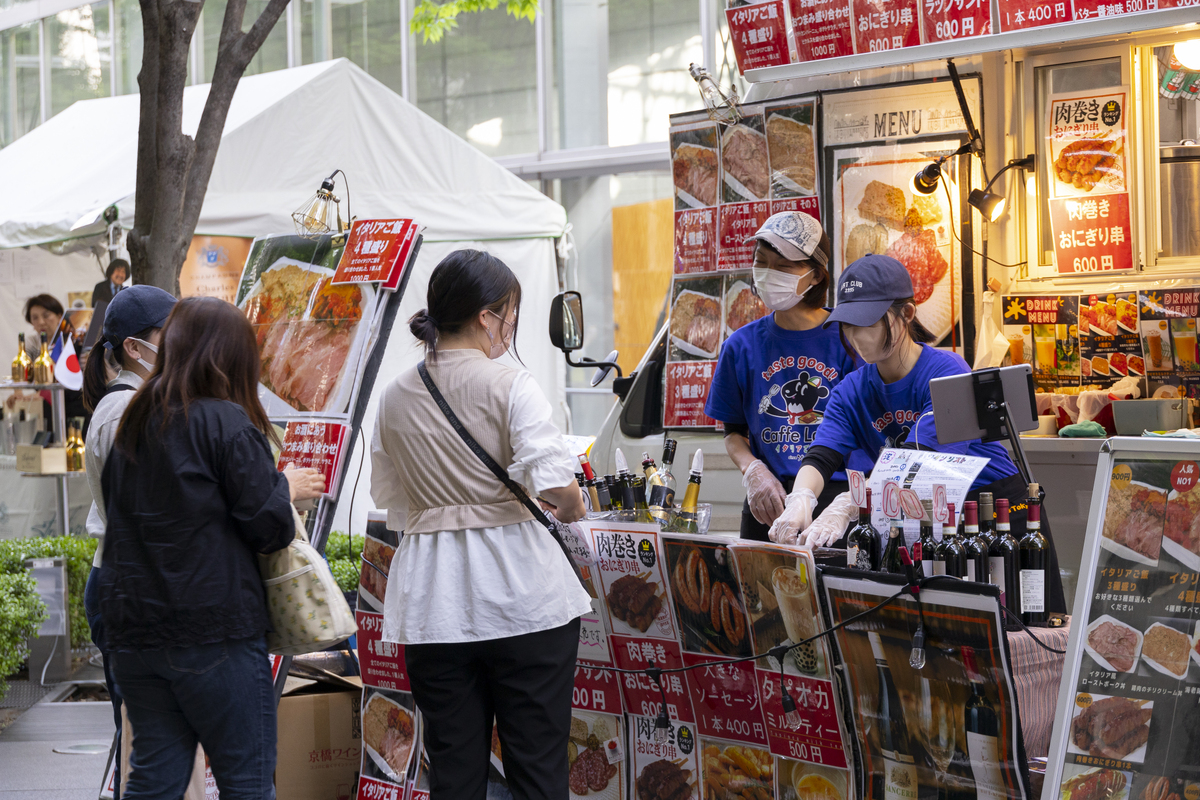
[(317, 445), (945, 20), (761, 34), (1089, 192), (376, 247), (823, 30), (1017, 15), (1131, 688), (885, 25)]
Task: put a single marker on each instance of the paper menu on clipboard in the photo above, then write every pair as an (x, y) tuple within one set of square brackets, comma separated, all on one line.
[(920, 471)]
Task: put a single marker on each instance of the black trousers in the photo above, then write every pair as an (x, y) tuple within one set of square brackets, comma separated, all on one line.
[(525, 683), (756, 531)]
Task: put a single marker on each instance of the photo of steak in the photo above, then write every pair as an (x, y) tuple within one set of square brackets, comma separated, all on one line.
[(696, 172), (663, 780), (1098, 785), (635, 601), (1117, 644), (744, 152), (1111, 728)]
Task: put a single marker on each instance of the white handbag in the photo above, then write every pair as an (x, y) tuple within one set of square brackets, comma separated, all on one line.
[(307, 608)]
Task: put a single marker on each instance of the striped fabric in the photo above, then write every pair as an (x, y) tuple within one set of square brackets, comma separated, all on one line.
[(1037, 674)]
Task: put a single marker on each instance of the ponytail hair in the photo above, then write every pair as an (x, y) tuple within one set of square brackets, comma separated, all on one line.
[(463, 284)]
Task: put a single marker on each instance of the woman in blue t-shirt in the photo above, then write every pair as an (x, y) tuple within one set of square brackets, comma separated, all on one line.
[(887, 403), (774, 376)]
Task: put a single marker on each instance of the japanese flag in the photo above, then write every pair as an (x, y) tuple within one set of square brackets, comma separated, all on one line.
[(66, 364)]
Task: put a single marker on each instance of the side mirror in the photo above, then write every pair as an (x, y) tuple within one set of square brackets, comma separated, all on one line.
[(566, 321)]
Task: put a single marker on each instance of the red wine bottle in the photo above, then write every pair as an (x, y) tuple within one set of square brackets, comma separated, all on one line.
[(976, 545), (928, 545), (983, 731), (1033, 563), (987, 518), (891, 561), (951, 552), (899, 777), (1003, 560), (862, 542)]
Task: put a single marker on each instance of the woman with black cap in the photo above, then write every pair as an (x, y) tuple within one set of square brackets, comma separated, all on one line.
[(887, 402), (774, 375)]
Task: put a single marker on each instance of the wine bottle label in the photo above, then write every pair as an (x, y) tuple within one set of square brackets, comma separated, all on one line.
[(864, 559), (661, 496), (851, 556), (927, 567), (971, 569), (985, 765), (939, 567), (899, 777), (1033, 591), (996, 575)]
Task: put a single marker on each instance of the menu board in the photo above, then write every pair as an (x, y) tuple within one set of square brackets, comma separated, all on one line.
[(949, 727), (761, 34), (1130, 693), (728, 180), (1089, 181)]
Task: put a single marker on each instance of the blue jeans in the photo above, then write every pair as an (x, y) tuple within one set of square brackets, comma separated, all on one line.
[(91, 607), (219, 695)]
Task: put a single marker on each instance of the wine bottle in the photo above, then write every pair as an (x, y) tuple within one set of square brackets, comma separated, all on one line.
[(662, 487), (983, 731), (75, 445), (614, 493), (899, 777), (43, 368), (22, 364), (928, 543), (891, 561), (624, 482), (592, 485), (987, 518), (953, 553), (686, 520), (1003, 560), (637, 485), (1033, 563), (649, 468), (976, 545), (862, 543)]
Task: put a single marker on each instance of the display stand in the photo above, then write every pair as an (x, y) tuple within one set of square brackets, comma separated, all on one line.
[(58, 421)]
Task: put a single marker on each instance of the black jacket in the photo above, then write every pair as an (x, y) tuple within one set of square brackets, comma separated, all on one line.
[(184, 523), (102, 291)]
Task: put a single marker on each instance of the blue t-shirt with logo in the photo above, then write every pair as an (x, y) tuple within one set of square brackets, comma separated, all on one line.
[(864, 413), (778, 383)]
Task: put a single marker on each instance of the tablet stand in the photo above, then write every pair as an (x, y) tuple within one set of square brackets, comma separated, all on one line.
[(992, 411)]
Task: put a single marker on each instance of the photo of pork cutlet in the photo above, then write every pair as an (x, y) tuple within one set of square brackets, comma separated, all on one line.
[(883, 203), (635, 601), (664, 780)]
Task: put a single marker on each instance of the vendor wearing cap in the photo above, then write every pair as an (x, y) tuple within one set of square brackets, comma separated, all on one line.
[(878, 318), (774, 375)]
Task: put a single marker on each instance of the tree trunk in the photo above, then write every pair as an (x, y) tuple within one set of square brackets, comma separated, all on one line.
[(173, 169)]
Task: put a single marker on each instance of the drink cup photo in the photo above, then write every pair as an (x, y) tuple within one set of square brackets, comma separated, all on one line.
[(1183, 334), (1045, 347), (793, 593), (1016, 347)]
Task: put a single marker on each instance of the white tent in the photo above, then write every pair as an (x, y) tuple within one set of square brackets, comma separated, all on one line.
[(286, 131)]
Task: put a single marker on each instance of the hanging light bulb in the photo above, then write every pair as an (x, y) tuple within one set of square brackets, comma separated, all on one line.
[(916, 658), (1187, 53), (662, 726), (321, 213), (721, 107), (791, 714)]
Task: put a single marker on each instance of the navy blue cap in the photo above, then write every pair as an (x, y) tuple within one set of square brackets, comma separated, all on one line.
[(133, 310), (867, 288)]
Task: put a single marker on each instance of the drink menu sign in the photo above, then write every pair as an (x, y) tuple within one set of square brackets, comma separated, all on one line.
[(1131, 686), (1089, 184), (728, 181)]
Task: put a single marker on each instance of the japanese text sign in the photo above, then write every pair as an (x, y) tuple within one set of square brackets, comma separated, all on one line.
[(375, 248), (823, 29), (314, 444), (760, 34), (725, 699), (382, 662), (687, 391)]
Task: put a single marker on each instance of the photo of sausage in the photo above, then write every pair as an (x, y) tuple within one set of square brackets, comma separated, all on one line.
[(707, 597)]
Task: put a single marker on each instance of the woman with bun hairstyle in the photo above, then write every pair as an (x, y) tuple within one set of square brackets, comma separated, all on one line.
[(887, 403), (483, 598), (774, 375)]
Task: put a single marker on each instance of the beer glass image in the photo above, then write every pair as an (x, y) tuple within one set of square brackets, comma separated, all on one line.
[(1183, 334)]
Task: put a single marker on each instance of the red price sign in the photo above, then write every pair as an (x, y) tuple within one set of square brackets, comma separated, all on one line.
[(1183, 476), (822, 29), (891, 500), (596, 690), (696, 240), (818, 739), (374, 249), (808, 205), (641, 695), (1091, 234), (1017, 15), (725, 699), (945, 20), (687, 391), (382, 663), (760, 34), (858, 488), (308, 443), (941, 514), (885, 25), (373, 789), (739, 221)]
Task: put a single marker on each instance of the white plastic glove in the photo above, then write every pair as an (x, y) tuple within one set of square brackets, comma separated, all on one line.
[(764, 492), (831, 525), (796, 516)]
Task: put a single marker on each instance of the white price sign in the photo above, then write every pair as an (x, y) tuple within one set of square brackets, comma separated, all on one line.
[(858, 488), (941, 513), (891, 500), (911, 502)]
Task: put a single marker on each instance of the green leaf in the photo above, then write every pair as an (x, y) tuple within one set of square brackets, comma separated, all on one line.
[(434, 20)]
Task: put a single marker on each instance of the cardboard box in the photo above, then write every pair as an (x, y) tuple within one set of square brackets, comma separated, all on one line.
[(41, 460), (320, 740)]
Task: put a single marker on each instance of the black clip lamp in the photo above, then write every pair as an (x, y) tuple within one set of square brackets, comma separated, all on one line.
[(990, 204)]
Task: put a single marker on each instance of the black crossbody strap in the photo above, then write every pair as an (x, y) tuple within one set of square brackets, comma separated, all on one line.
[(497, 470)]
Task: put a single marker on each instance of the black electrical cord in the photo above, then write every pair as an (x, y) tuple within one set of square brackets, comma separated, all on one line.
[(1016, 618), (954, 232)]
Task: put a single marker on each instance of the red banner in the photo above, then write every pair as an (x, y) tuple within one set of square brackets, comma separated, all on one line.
[(687, 391), (739, 221), (1091, 235), (641, 695), (375, 248), (885, 25), (822, 29), (314, 444), (818, 739), (696, 240), (725, 699), (371, 789), (382, 663), (1017, 15), (808, 205), (1094, 9), (945, 20), (760, 34), (596, 690)]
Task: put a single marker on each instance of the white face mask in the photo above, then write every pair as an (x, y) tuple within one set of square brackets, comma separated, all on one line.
[(499, 348), (778, 289), (147, 365)]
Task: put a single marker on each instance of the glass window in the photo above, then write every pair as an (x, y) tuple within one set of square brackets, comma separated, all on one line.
[(1053, 80), (271, 56), (650, 44), (20, 103), (480, 81), (80, 42), (129, 45), (1178, 152), (368, 32)]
